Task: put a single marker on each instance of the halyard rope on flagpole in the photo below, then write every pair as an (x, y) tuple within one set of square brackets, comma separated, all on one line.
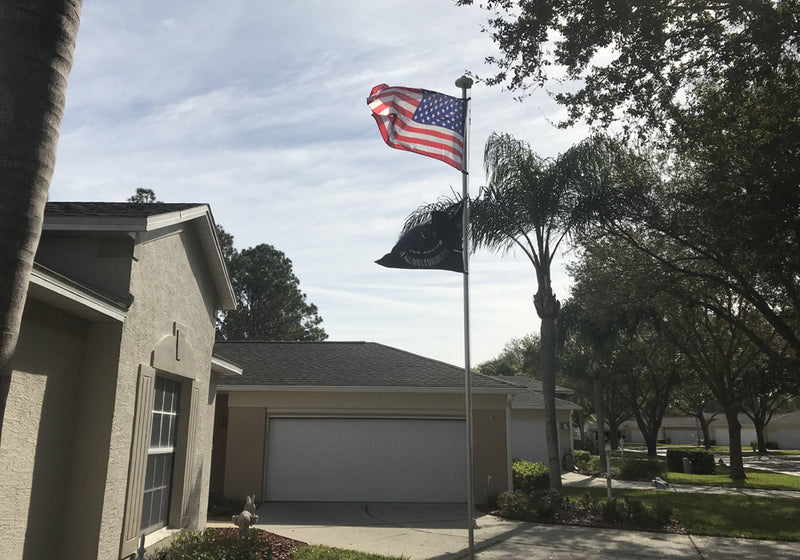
[(465, 84)]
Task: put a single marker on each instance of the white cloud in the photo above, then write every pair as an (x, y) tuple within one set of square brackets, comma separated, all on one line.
[(259, 108)]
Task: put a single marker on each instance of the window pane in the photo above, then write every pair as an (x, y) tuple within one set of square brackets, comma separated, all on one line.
[(166, 429), (156, 508), (146, 507), (158, 402), (158, 471), (151, 472), (163, 514), (155, 431)]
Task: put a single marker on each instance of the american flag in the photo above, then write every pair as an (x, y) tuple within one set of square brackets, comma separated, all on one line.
[(421, 121)]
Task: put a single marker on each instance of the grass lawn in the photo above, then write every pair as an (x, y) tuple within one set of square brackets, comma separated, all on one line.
[(755, 479), (327, 553), (719, 515)]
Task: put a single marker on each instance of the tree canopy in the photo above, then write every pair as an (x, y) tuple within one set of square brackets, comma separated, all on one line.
[(270, 305), (635, 57)]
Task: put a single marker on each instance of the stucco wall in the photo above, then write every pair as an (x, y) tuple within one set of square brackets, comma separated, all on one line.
[(490, 459), (249, 413), (528, 441), (104, 262), (39, 432), (170, 283)]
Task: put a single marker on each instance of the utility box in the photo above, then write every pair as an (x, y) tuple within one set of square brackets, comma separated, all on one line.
[(687, 465)]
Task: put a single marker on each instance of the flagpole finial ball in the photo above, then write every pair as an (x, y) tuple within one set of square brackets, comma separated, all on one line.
[(464, 82)]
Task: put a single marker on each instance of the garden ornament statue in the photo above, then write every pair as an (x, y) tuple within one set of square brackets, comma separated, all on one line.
[(248, 516)]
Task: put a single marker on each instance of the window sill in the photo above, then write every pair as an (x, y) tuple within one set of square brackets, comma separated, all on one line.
[(157, 536)]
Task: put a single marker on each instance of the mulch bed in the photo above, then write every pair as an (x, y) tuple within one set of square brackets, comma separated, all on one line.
[(282, 547)]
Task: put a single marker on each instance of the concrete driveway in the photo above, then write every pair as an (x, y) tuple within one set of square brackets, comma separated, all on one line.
[(438, 531)]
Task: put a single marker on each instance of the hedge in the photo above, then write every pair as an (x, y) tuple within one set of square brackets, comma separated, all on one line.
[(641, 468), (702, 461)]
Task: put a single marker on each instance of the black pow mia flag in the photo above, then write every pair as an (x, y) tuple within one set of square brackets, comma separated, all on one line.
[(433, 244)]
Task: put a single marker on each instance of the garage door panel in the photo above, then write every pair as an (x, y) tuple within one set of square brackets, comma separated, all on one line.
[(409, 460)]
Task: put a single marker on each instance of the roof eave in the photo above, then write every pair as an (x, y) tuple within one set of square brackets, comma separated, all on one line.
[(363, 389), (72, 298), (224, 367)]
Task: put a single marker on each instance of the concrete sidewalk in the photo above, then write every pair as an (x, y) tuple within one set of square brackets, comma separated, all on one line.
[(580, 480), (438, 531)]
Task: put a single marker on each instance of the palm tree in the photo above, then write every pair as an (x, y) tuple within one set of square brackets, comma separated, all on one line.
[(35, 60), (534, 205)]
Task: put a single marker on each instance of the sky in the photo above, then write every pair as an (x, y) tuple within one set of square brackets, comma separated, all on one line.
[(258, 108)]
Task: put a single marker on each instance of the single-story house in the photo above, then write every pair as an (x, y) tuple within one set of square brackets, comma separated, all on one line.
[(784, 429), (107, 431), (527, 421), (679, 430), (357, 421)]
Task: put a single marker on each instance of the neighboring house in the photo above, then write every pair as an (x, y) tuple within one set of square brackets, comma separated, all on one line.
[(678, 430), (107, 433), (355, 421), (784, 429), (527, 421)]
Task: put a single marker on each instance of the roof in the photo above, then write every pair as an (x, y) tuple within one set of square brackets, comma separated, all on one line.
[(135, 217), (535, 384), (119, 209), (532, 396), (304, 365)]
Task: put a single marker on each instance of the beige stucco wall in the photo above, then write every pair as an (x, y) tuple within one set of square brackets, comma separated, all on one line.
[(95, 261), (66, 444), (39, 432), (249, 413), (169, 285)]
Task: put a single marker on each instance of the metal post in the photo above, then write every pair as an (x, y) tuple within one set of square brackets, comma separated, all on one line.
[(465, 84)]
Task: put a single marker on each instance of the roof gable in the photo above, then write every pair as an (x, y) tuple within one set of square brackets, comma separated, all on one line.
[(135, 217)]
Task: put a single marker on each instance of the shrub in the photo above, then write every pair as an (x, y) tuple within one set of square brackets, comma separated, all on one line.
[(530, 477), (582, 459), (590, 465), (641, 468), (542, 504), (636, 513), (702, 461), (212, 545), (515, 505)]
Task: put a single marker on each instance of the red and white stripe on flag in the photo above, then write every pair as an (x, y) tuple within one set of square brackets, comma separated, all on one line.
[(420, 121)]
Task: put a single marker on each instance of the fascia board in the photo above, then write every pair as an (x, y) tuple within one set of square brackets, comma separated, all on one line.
[(216, 262), (71, 298), (224, 367)]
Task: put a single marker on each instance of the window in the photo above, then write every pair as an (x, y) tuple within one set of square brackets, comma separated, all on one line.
[(161, 455)]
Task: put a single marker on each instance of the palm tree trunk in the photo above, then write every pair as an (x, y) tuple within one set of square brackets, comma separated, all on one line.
[(38, 42), (548, 307)]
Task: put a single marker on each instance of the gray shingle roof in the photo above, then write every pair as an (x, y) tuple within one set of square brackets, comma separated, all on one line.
[(344, 364), (531, 396), (133, 209)]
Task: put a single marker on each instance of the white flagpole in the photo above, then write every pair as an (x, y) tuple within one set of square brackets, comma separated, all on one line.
[(465, 84)]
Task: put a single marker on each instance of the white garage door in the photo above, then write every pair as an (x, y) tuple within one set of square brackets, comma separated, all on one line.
[(366, 460)]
